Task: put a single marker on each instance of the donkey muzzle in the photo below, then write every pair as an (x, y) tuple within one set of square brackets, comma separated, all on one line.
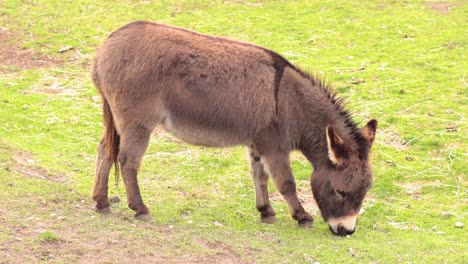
[(341, 231), (342, 226)]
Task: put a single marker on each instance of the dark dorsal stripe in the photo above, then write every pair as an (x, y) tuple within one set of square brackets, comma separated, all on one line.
[(278, 75), (279, 64)]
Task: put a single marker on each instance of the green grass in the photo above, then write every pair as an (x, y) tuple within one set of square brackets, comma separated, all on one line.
[(411, 63), (49, 237)]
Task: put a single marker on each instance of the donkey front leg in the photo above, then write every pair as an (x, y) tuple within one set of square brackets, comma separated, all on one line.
[(133, 143), (261, 187), (280, 170), (101, 179)]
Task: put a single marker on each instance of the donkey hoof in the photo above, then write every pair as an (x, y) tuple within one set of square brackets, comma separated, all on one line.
[(306, 220), (306, 223), (114, 200), (268, 219), (103, 210), (144, 217)]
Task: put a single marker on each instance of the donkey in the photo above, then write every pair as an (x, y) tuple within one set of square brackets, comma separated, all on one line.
[(218, 92)]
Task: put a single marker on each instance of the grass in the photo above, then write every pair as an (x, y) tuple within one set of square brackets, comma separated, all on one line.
[(400, 62), (49, 237)]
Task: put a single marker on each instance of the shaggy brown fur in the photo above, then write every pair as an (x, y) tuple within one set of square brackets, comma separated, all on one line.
[(217, 92)]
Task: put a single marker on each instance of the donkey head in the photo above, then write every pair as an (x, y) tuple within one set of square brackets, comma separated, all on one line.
[(339, 186)]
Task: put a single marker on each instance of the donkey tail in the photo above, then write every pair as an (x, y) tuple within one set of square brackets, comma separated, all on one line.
[(111, 137)]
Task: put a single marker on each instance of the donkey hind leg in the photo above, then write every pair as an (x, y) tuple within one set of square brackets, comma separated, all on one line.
[(101, 179), (133, 143), (261, 187), (280, 170)]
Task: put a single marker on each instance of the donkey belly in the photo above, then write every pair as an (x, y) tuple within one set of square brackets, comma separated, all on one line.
[(197, 133), (211, 114)]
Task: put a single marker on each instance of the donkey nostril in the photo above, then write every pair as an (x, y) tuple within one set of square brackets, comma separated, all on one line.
[(350, 232), (341, 230), (337, 232)]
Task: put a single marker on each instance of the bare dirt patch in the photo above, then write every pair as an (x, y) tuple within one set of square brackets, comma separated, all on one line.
[(12, 55), (223, 252), (391, 138), (443, 7), (26, 165), (414, 189), (52, 86), (305, 197)]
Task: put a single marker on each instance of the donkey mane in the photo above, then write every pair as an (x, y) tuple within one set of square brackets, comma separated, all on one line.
[(280, 62), (339, 103), (355, 132)]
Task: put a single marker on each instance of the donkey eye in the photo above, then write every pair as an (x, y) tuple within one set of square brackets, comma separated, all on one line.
[(340, 194)]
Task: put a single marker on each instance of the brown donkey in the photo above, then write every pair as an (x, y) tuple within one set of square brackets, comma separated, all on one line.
[(217, 92)]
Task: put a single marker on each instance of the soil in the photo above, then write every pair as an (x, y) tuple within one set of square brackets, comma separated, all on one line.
[(414, 189), (390, 138), (443, 7), (12, 55), (26, 165)]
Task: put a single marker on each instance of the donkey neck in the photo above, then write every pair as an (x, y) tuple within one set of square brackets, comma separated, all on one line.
[(322, 109)]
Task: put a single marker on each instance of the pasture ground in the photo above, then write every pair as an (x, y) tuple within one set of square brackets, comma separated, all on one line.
[(402, 62)]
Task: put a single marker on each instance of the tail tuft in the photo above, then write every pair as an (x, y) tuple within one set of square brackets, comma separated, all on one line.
[(111, 137)]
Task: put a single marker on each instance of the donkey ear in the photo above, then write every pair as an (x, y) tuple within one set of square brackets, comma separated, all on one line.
[(336, 149), (368, 132)]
